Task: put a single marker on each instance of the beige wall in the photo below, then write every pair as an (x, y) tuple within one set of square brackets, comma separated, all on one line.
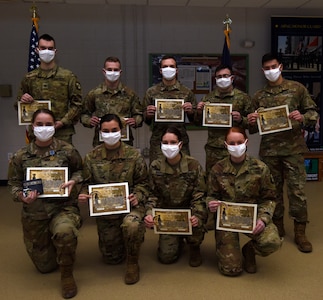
[(87, 34)]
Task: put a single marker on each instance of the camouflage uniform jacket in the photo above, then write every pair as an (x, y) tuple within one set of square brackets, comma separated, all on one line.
[(240, 101), (122, 101), (126, 165), (182, 186), (253, 184), (161, 91), (296, 96), (58, 154), (62, 88)]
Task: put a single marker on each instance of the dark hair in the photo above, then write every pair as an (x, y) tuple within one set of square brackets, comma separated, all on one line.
[(42, 111), (172, 130), (270, 56), (47, 38), (222, 67), (236, 129), (112, 59), (109, 118), (167, 57)]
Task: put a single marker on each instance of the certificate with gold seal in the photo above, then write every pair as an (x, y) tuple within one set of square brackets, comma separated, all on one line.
[(172, 221), (108, 199), (273, 119), (52, 178), (236, 217), (217, 115), (169, 110), (26, 110)]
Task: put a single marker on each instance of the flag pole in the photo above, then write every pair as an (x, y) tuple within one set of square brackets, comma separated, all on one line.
[(226, 59)]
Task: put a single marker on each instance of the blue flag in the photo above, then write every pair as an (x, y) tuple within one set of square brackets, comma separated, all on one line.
[(33, 61), (226, 58)]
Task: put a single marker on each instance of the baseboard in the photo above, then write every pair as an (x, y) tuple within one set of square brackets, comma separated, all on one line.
[(3, 182)]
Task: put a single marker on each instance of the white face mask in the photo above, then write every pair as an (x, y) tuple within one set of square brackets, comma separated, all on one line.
[(169, 73), (237, 150), (46, 55), (272, 74), (111, 138), (112, 75), (44, 133), (170, 151), (223, 82)]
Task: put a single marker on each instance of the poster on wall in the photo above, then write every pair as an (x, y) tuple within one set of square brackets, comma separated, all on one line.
[(298, 42)]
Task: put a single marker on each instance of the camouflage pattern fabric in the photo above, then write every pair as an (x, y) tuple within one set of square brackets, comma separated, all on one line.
[(121, 101), (63, 89), (118, 233), (161, 91), (282, 151), (182, 186), (50, 225), (252, 183), (292, 167), (214, 148)]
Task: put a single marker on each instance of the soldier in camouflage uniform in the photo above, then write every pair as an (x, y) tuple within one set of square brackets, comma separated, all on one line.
[(54, 83), (168, 88), (242, 179), (283, 151), (177, 181), (120, 235), (224, 92), (111, 96), (50, 225)]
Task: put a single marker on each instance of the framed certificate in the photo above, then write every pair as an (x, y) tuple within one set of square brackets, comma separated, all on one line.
[(217, 115), (169, 110), (172, 221), (108, 199), (236, 217), (26, 110), (52, 178), (273, 119)]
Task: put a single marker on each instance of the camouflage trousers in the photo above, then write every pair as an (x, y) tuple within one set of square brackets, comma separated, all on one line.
[(228, 248), (52, 242), (120, 235), (170, 246), (292, 169)]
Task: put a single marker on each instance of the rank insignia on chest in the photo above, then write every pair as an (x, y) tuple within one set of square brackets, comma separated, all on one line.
[(45, 86)]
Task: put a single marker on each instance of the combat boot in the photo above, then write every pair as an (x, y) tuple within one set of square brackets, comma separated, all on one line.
[(279, 222), (132, 270), (69, 288), (300, 238), (248, 252), (195, 258)]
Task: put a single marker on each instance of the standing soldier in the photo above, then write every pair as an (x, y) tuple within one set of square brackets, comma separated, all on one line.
[(169, 88), (120, 235), (224, 92), (54, 83), (111, 97), (283, 151)]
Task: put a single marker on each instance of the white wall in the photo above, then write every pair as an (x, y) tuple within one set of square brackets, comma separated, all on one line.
[(87, 34)]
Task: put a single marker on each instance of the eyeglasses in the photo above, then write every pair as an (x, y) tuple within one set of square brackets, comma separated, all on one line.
[(223, 76)]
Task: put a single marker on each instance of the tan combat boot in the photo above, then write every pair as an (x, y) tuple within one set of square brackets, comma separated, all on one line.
[(279, 222), (195, 258), (69, 288), (248, 252), (300, 238), (132, 270)]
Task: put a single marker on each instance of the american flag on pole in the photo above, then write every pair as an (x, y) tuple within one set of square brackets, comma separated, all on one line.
[(226, 58), (33, 61)]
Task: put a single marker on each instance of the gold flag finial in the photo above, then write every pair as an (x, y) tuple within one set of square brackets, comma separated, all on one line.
[(34, 15), (227, 23)]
